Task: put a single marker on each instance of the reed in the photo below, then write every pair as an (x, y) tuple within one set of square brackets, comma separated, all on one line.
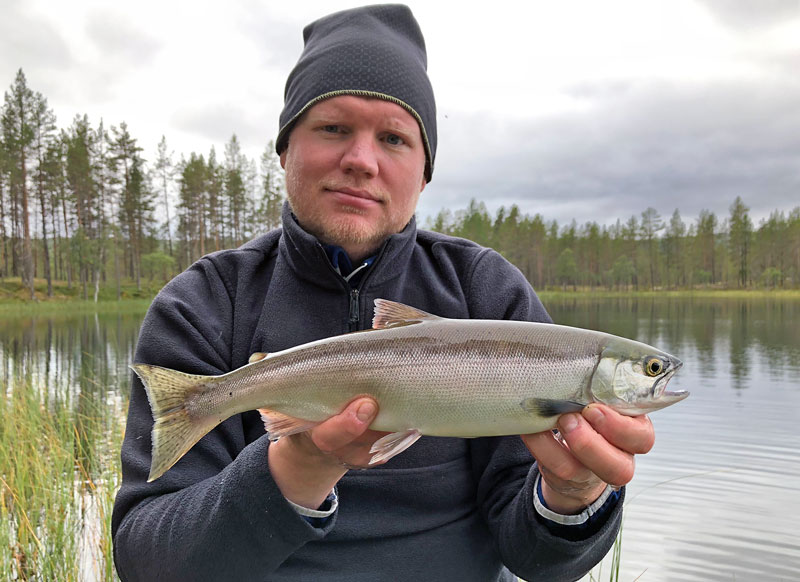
[(59, 471), (615, 554)]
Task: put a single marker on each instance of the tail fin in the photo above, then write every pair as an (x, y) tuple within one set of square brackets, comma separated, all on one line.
[(175, 430)]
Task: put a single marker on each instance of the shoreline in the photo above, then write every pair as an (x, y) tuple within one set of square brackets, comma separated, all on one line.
[(14, 301)]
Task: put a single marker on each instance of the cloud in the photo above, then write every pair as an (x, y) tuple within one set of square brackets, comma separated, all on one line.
[(277, 38), (745, 15), (665, 145), (32, 43), (117, 40), (217, 122)]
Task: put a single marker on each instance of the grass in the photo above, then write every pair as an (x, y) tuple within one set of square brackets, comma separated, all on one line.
[(13, 292), (59, 471), (14, 298), (616, 558)]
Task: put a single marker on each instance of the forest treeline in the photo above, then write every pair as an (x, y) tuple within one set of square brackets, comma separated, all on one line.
[(646, 252), (83, 204)]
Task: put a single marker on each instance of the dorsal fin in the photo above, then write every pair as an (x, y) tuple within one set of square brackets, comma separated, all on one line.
[(393, 314)]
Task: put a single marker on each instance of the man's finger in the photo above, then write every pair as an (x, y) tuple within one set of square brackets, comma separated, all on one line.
[(549, 453), (340, 430), (604, 459), (633, 434)]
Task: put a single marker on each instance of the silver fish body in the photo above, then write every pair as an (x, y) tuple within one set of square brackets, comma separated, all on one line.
[(430, 375)]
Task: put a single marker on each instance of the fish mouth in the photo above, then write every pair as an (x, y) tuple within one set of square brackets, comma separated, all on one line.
[(668, 398), (660, 392)]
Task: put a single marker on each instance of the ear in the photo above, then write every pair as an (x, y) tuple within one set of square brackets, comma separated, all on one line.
[(283, 157), (424, 183)]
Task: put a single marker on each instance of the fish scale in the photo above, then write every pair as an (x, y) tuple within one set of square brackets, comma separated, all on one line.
[(430, 375)]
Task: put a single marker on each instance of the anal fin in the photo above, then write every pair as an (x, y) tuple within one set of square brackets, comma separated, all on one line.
[(280, 425), (393, 444)]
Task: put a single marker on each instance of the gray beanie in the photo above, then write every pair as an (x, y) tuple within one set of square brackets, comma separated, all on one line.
[(373, 51)]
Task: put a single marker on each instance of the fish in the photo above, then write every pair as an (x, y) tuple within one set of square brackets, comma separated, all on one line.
[(430, 376)]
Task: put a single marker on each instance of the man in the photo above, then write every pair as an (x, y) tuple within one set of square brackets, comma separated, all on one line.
[(357, 142)]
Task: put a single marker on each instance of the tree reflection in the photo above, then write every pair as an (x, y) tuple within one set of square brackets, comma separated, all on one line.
[(722, 332)]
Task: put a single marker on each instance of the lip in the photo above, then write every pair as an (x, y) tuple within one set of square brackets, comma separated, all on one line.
[(359, 200), (355, 193)]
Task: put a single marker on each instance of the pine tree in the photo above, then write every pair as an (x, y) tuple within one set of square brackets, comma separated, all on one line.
[(739, 239), (44, 126), (165, 172), (235, 189), (107, 181), (707, 243), (650, 226), (272, 189), (83, 198), (192, 206), (5, 202), (54, 186), (132, 195), (18, 137), (630, 237), (673, 250), (215, 214)]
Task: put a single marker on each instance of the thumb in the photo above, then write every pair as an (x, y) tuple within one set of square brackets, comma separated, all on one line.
[(346, 426)]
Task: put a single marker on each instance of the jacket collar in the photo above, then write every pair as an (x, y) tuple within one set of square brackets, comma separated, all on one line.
[(306, 256)]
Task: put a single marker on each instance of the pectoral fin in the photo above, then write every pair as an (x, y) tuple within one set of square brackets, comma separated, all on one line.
[(280, 425), (393, 444), (550, 407)]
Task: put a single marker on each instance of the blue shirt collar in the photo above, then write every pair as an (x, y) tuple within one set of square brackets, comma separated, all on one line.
[(344, 266)]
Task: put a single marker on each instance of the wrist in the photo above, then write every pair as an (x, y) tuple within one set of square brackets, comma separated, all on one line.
[(572, 501), (304, 474)]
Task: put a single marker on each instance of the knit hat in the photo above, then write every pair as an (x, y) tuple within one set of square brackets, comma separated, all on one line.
[(373, 51)]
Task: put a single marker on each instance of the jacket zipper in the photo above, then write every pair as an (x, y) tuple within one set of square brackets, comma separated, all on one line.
[(354, 310)]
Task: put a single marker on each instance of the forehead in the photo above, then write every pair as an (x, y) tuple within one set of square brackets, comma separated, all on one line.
[(363, 108)]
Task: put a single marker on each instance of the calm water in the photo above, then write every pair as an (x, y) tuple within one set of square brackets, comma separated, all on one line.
[(717, 498)]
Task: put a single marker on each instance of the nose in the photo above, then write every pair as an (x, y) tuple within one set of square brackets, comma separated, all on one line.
[(360, 156)]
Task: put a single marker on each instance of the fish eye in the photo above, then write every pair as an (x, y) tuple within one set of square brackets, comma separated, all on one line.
[(654, 366)]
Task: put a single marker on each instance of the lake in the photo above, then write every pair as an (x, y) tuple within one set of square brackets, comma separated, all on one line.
[(716, 499)]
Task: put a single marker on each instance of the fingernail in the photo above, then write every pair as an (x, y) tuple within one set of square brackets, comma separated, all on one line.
[(593, 414), (568, 423), (366, 411)]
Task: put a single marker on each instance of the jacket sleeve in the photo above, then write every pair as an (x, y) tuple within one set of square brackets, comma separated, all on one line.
[(217, 514), (505, 470)]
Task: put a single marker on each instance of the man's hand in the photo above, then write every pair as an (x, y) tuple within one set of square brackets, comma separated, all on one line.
[(597, 449), (306, 466)]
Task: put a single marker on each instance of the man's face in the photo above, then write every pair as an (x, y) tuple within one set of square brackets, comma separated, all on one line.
[(355, 168)]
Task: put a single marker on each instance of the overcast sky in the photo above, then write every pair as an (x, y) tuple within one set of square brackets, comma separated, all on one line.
[(574, 109)]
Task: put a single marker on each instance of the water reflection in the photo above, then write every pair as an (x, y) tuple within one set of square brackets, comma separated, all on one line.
[(84, 354), (713, 501), (743, 328), (66, 384)]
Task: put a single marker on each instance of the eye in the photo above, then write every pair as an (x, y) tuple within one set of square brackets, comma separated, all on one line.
[(394, 139), (331, 128), (653, 366)]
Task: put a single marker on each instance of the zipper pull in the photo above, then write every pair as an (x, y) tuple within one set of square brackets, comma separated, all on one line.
[(354, 308)]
